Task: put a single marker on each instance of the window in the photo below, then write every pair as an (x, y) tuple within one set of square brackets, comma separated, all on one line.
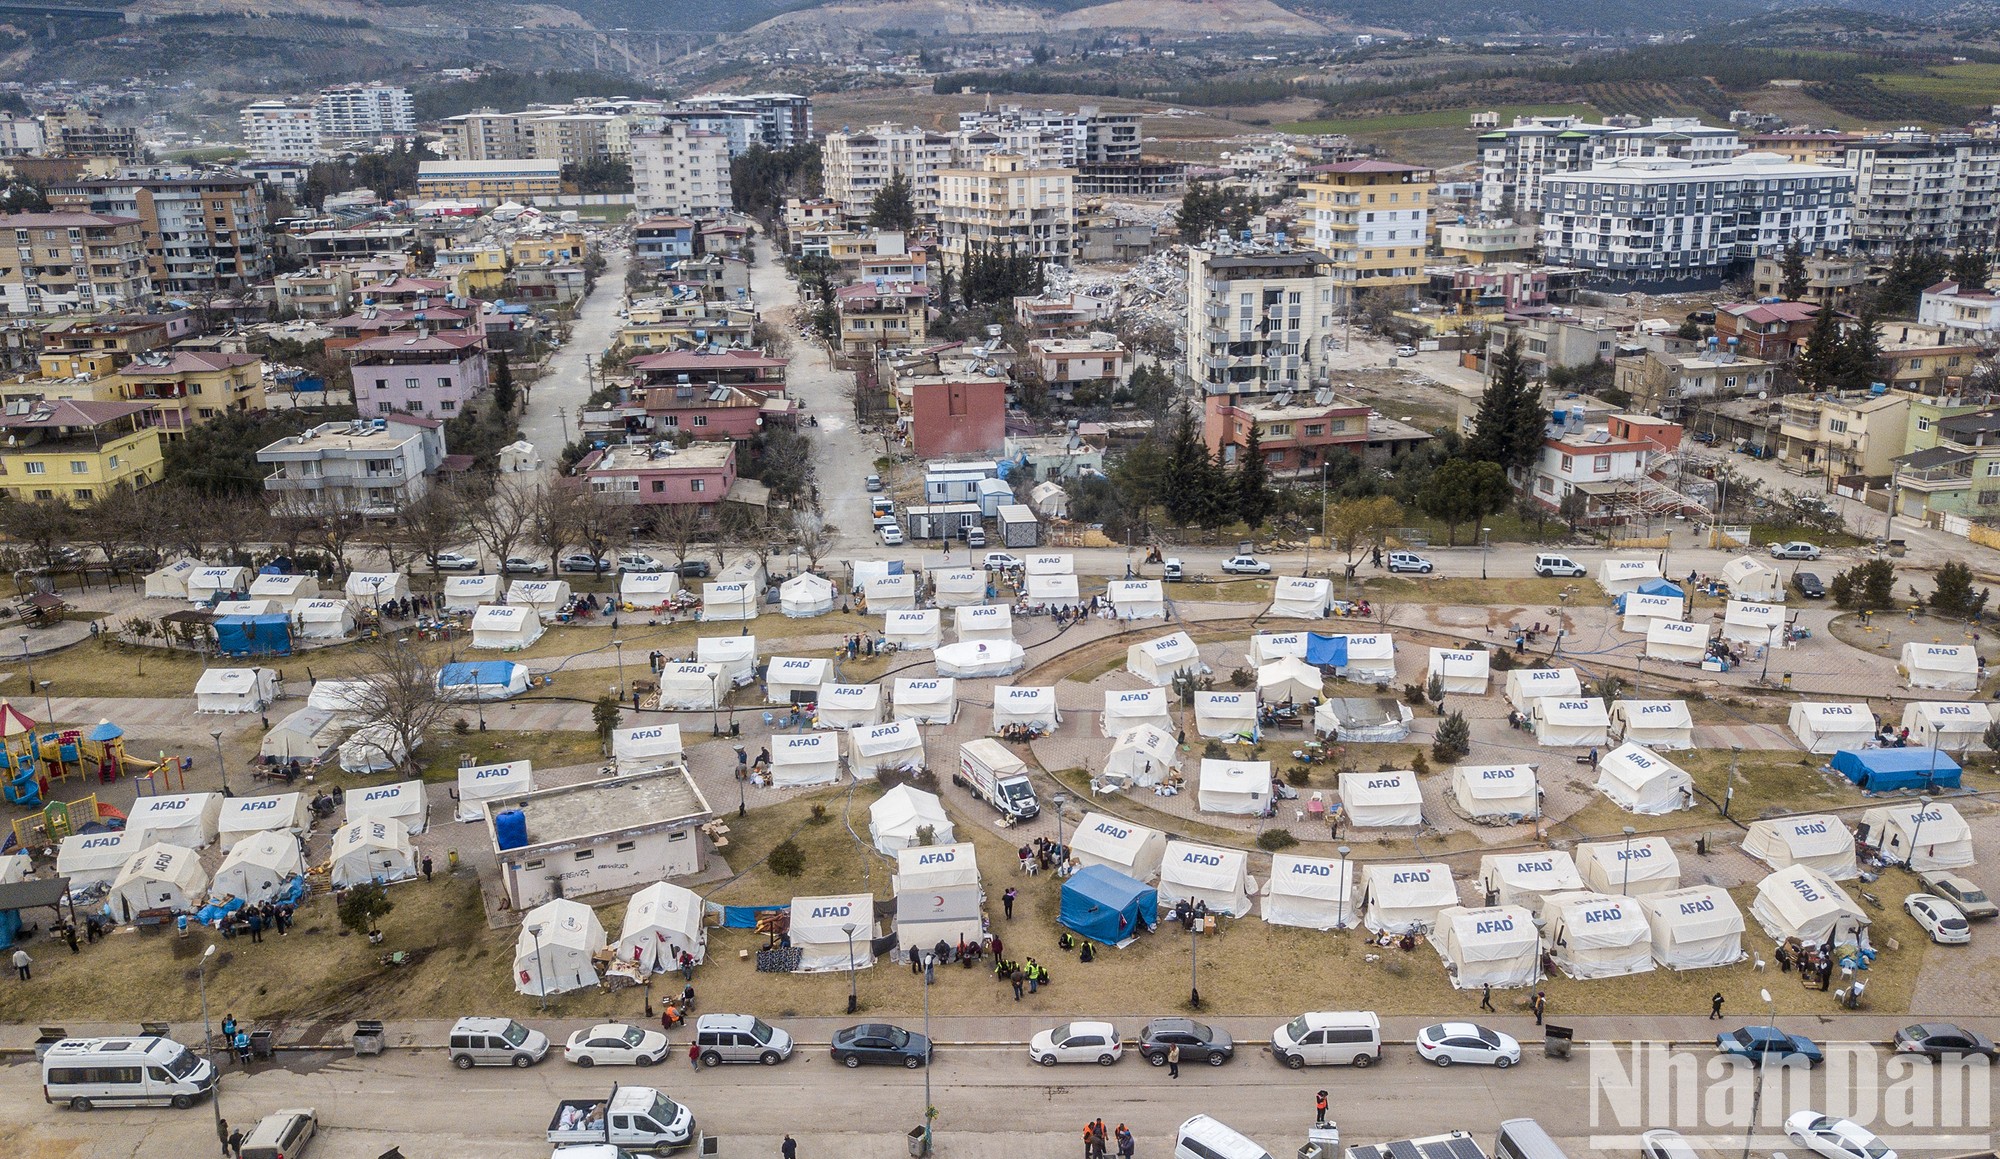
[(1993, 470), (1837, 426), (659, 486), (1313, 430), (1986, 498), (444, 382), (1601, 464), (531, 865), (1568, 463), (1277, 429), (44, 493), (410, 384), (83, 493), (1545, 484), (79, 467), (671, 421), (38, 468), (586, 855), (386, 407), (447, 406), (697, 485), (701, 420), (1923, 422)]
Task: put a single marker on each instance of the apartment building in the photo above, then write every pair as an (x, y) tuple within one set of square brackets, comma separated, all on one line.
[(1004, 205), (1096, 358), (663, 240), (77, 451), (699, 475), (1295, 431), (326, 292), (784, 120), (1479, 242), (78, 133), (1920, 357), (1839, 435), (1612, 465), (882, 315), (373, 467), (22, 136), (1258, 320), (364, 110), (1966, 313), (1770, 330), (1372, 221), (1666, 384), (432, 374), (490, 182), (1914, 189), (1831, 279), (1503, 287), (1956, 475), (192, 387), (1549, 342), (204, 231), (681, 172), (1514, 161), (279, 131), (858, 164), (61, 261), (957, 413)]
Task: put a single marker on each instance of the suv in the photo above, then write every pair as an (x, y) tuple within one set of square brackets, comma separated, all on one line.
[(740, 1038), (694, 569), (975, 536), (281, 1134), (1198, 1041), (1245, 565), (1409, 561), (1796, 549), (494, 1042), (1549, 564), (1969, 898), (639, 561)]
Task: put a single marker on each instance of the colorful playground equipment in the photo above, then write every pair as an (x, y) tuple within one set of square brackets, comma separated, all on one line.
[(60, 819), (31, 760)]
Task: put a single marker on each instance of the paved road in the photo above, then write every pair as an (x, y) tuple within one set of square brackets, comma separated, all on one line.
[(551, 419)]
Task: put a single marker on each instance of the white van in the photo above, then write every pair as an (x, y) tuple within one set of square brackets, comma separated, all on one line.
[(140, 1070), (1549, 564), (1204, 1138), (1329, 1038)]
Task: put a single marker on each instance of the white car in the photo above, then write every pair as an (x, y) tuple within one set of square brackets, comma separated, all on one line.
[(1835, 1138), (1940, 919), (454, 561), (1661, 1143), (1449, 1042), (522, 565), (892, 535), (639, 561), (1245, 565), (1077, 1042), (1000, 561), (615, 1044), (1794, 550)]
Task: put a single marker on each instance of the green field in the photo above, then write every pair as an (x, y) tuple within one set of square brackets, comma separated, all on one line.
[(1438, 119), (1972, 84)]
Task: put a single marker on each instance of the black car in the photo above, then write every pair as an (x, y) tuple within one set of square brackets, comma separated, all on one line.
[(879, 1042), (1809, 585), (1199, 1042), (1941, 1040), (694, 569)]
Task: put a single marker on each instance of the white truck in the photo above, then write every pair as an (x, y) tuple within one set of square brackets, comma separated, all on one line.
[(638, 1119), (997, 777)]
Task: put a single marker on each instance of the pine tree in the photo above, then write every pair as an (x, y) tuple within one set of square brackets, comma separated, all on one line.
[(893, 207), (1253, 483), (1183, 486), (504, 394), (1818, 365), (1511, 423), (1792, 280), (1970, 268), (1861, 354)]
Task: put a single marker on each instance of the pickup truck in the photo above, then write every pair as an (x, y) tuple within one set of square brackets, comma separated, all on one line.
[(634, 1118)]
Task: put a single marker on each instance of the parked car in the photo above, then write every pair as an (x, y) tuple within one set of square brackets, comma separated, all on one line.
[(874, 482), (1245, 565), (1549, 564), (1198, 1041), (1939, 918), (1835, 1138), (1077, 1042), (1761, 1044), (494, 1042), (881, 1043), (281, 1134), (1796, 549), (892, 535), (522, 565), (740, 1038), (1808, 585), (1000, 561), (1406, 352), (1409, 561), (454, 561), (1941, 1040), (615, 1044), (694, 569), (582, 562), (1967, 897), (1661, 1143), (639, 561), (1448, 1042), (975, 536)]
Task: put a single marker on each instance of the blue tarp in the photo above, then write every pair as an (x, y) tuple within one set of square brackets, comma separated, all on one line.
[(1106, 906), (477, 672), (1881, 770), (1326, 651), (744, 917), (1660, 587), (254, 635)]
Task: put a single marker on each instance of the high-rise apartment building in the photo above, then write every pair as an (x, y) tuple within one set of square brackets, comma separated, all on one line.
[(77, 133), (1006, 206), (1514, 161), (784, 120), (277, 131), (681, 171), (1258, 320), (1915, 189), (204, 230), (1371, 220), (858, 164), (71, 261), (365, 110)]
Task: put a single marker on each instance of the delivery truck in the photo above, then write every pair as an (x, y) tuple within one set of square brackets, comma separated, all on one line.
[(997, 777), (638, 1119)]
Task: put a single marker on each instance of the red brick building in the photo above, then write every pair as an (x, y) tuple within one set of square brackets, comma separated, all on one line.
[(1773, 331), (958, 416)]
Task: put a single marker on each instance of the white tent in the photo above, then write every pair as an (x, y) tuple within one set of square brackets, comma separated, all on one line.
[(1527, 685), (833, 933), (1644, 865), (1639, 780), (372, 849), (1657, 724), (189, 820), (260, 607), (372, 588), (958, 587), (1618, 576), (991, 623), (1132, 850), (1289, 679), (170, 582), (1299, 598), (1496, 792), (1371, 658), (464, 593), (1142, 755), (1025, 704), (519, 457), (1526, 878), (1205, 873), (348, 700), (925, 700), (372, 748), (811, 758), (1694, 928), (1817, 842), (1049, 564), (505, 627), (1225, 714), (553, 953), (1052, 589), (1363, 720), (1124, 708), (158, 877), (1641, 609), (913, 630), (747, 567), (323, 619), (733, 656), (478, 784), (864, 570), (1804, 903), (1050, 499), (1751, 579), (806, 595), (641, 747), (728, 600), (1462, 672), (285, 589), (662, 921), (897, 817), (1595, 935), (304, 734), (258, 867), (1824, 727), (94, 858), (685, 686), (937, 895), (235, 690), (1403, 899), (976, 658), (848, 705), (1138, 599), (1928, 837), (204, 584), (405, 802), (1375, 800), (1571, 722), (545, 597), (241, 817), (1676, 641), (1490, 946), (1156, 661), (654, 589), (787, 679), (1955, 726), (889, 593), (1268, 646), (1753, 623), (873, 748), (1316, 893), (1242, 787)]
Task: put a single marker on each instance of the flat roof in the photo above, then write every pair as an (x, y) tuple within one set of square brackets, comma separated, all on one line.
[(695, 456), (588, 808)]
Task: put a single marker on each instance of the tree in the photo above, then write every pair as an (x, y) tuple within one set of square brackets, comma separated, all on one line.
[(1201, 211), (395, 686), (43, 526), (1453, 740), (434, 521), (1464, 491), (361, 905), (604, 717), (553, 520), (1818, 365), (499, 520), (1253, 482), (1359, 524), (893, 206), (1861, 354), (504, 393), (1184, 490), (1954, 595), (814, 537), (1434, 690), (786, 859), (1792, 281), (1511, 424), (1911, 270), (1865, 586), (1573, 508), (678, 525), (1970, 267)]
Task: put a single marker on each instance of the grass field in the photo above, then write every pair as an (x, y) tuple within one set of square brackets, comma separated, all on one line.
[(1972, 84)]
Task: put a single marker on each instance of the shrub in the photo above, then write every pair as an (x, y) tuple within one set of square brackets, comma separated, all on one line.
[(1413, 695), (1214, 750), (362, 904), (1272, 840), (819, 815), (787, 859), (1299, 776), (1434, 690), (1242, 678), (1453, 740), (1418, 764), (1954, 595), (1993, 736)]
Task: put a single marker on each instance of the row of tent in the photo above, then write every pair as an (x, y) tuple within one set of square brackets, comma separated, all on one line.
[(557, 948), (204, 584)]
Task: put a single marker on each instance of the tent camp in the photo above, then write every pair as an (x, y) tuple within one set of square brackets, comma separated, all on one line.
[(1205, 873), (1491, 946), (1805, 904), (1298, 598), (505, 627), (1124, 708), (1571, 722), (1289, 680), (794, 679), (1527, 685), (286, 590), (924, 700), (1268, 646), (1760, 625), (1824, 727), (373, 849), (555, 951), (1133, 850), (863, 570), (1363, 720), (1052, 589), (160, 878), (479, 784), (1886, 770), (1142, 755), (1694, 928), (1640, 609), (241, 817), (1032, 706), (873, 749), (728, 600), (189, 820), (1639, 780), (305, 734), (1106, 906), (170, 582), (482, 680), (806, 595), (207, 584), (1371, 658), (913, 630), (1619, 576), (1049, 564), (1657, 724), (1595, 935), (662, 922), (980, 658), (1526, 878), (94, 858), (1225, 715), (258, 867), (1138, 599), (373, 588), (404, 801), (684, 685), (1314, 893), (958, 587), (225, 609), (323, 619), (654, 589), (1817, 842), (464, 593), (1156, 661), (1643, 865), (833, 933), (937, 895), (639, 747), (1462, 672), (897, 818), (1496, 792), (1240, 787), (546, 598), (890, 593), (1676, 641), (811, 758), (848, 705), (235, 690), (372, 748), (348, 700), (1749, 578), (1405, 899), (1958, 727), (1373, 800), (1925, 837), (989, 623), (733, 656)]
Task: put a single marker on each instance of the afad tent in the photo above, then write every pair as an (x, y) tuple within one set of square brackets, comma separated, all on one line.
[(372, 588), (320, 619), (1641, 866), (1750, 579), (1239, 787), (655, 589), (160, 878), (733, 656), (873, 749), (937, 896), (94, 858), (1462, 672), (286, 589), (241, 818), (1619, 576), (924, 700), (189, 820), (1106, 906), (977, 658), (1125, 708), (1805, 904), (1571, 722), (404, 801), (1526, 878), (1639, 780), (258, 867), (465, 593), (1496, 793), (794, 679), (555, 952), (250, 609), (1595, 935), (913, 630), (207, 584), (1827, 728), (1142, 755), (848, 705), (235, 690), (684, 685), (1886, 770), (1138, 599), (1132, 850), (1405, 899), (1032, 706), (479, 784), (958, 587), (1694, 928), (482, 680), (372, 748), (1760, 625), (373, 849), (170, 582), (1527, 685), (1314, 893), (1925, 837), (1640, 609), (1816, 842), (898, 817), (1955, 726), (1657, 724), (1265, 647), (1490, 946), (833, 933), (505, 627), (662, 922), (1298, 598), (1371, 658), (728, 600), (890, 593), (805, 595), (305, 734), (1676, 641), (810, 758), (983, 623), (1049, 564), (1225, 715), (1204, 873), (640, 748), (1362, 720), (1052, 589), (1156, 661), (1289, 680), (1375, 800), (546, 598)]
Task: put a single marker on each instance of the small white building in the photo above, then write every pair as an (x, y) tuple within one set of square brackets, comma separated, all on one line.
[(1491, 946), (1126, 708), (546, 598), (897, 818), (728, 600), (94, 858), (1371, 658), (794, 679), (662, 922), (1925, 837), (646, 747), (1804, 903), (958, 587), (323, 619), (1268, 646), (1289, 680), (1059, 590), (1497, 793), (479, 784), (160, 878), (1824, 727), (873, 749), (914, 629), (1138, 599), (1945, 667), (806, 595), (937, 895), (599, 836), (170, 582), (241, 817), (374, 588), (1524, 879), (890, 593), (286, 590), (1640, 609), (833, 933), (984, 623), (1619, 576), (205, 585), (1141, 756), (233, 690), (735, 657), (655, 589), (258, 867), (690, 686), (1749, 578), (1757, 624), (187, 820), (407, 802)]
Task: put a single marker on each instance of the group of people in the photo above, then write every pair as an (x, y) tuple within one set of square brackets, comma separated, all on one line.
[(1062, 614), (858, 645), (236, 1038), (1041, 854), (1096, 1139), (255, 919), (1028, 976), (406, 607), (1188, 914), (675, 1011), (1086, 953)]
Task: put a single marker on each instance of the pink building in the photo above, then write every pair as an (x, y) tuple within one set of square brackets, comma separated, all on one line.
[(418, 292), (699, 476), (958, 416), (418, 373)]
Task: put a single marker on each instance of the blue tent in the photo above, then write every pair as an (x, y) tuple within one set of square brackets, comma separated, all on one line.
[(1106, 906), (1881, 770), (1326, 651), (483, 679), (254, 635), (1660, 587)]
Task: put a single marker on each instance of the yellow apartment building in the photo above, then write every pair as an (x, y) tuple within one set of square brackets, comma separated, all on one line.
[(1372, 221), (77, 451)]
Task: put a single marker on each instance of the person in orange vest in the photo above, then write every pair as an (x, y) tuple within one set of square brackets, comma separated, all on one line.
[(1319, 1109)]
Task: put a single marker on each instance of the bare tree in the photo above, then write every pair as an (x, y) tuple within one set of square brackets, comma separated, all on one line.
[(601, 525), (678, 525), (334, 531), (552, 521), (292, 518), (814, 537), (499, 519), (40, 526), (395, 686), (436, 520), (231, 522)]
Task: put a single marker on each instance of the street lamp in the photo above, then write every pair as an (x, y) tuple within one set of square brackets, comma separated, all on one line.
[(1485, 549), (1729, 794), (1625, 886), (208, 1043), (1923, 810), (1194, 964), (1340, 907), (29, 660), (541, 973), (221, 766), (930, 962), (618, 646), (49, 708), (715, 705), (853, 1000), (1056, 802), (1757, 1091)]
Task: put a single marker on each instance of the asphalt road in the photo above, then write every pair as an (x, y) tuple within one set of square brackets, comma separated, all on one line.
[(551, 418)]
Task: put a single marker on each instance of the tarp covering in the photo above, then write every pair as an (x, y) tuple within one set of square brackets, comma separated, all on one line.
[(1676, 641), (372, 748), (1268, 646), (1124, 708), (1639, 780), (1526, 878), (957, 587), (1824, 727), (1571, 722), (981, 658), (1371, 658), (235, 689), (1326, 651), (1886, 770), (1657, 724), (1750, 579), (1496, 792), (639, 747), (1958, 726), (1805, 904), (305, 734), (1025, 704), (873, 749), (1378, 799), (1644, 865), (1928, 837), (1491, 946), (1463, 672), (1133, 850), (258, 867), (372, 849), (1156, 661), (248, 609), (1753, 623), (1316, 893), (1225, 714), (811, 758), (734, 656), (482, 680), (463, 593), (1299, 598), (478, 784), (1640, 610), (254, 635), (1052, 589), (1289, 679), (895, 818), (820, 932), (1106, 906), (554, 952), (1138, 599), (1240, 787), (1363, 720), (889, 593), (345, 698), (1694, 928), (505, 626), (1595, 935), (805, 595), (913, 630), (170, 582), (1618, 576), (926, 700), (1206, 873), (991, 623), (662, 921), (1403, 899), (786, 677), (1142, 755), (684, 685), (1818, 842), (1527, 685)]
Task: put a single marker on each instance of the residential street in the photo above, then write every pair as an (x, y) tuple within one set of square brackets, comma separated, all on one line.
[(551, 415)]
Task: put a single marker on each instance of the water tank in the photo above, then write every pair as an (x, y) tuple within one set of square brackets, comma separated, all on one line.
[(510, 828)]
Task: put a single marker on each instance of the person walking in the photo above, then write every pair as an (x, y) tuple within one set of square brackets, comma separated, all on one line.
[(1540, 1004), (1034, 976), (427, 867), (1319, 1109), (1016, 977), (69, 935), (789, 1149), (222, 1133), (1089, 1141), (1715, 1006), (1174, 1061), (1486, 998), (235, 1143), (21, 963), (694, 1054), (1007, 902)]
